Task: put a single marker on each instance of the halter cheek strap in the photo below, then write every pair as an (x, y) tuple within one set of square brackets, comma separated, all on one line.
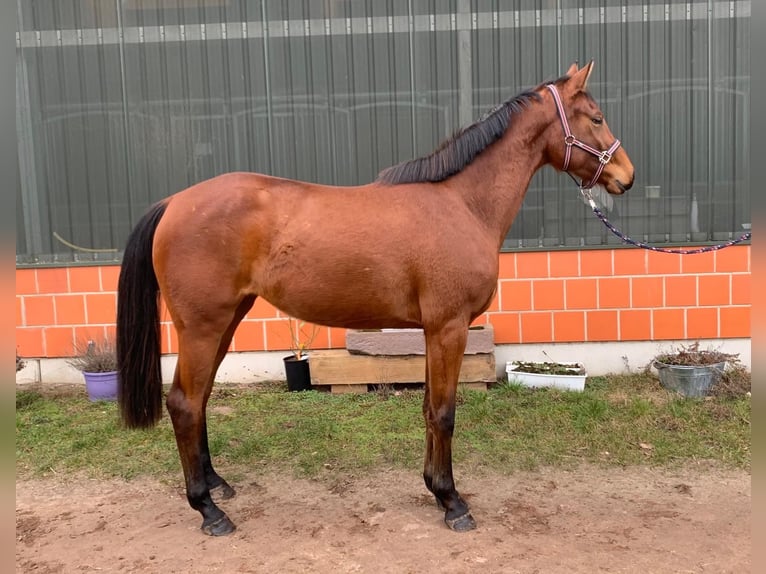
[(570, 140)]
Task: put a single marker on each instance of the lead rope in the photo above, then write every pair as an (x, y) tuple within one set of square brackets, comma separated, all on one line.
[(589, 198), (604, 157)]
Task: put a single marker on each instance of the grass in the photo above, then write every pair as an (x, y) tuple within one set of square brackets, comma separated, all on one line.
[(616, 421)]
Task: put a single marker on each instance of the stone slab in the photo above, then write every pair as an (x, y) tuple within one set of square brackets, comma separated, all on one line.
[(390, 342)]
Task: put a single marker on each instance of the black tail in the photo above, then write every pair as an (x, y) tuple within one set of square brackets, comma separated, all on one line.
[(138, 327)]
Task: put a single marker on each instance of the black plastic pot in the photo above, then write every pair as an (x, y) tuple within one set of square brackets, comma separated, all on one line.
[(298, 373)]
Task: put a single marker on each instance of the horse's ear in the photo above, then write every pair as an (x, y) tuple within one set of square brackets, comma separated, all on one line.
[(579, 79), (572, 69)]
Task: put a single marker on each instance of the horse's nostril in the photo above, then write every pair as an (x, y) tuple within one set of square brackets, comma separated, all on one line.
[(624, 187)]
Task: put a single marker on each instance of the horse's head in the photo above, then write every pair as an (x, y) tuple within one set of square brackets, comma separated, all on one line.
[(580, 141)]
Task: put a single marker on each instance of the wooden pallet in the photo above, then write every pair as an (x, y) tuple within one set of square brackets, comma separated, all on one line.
[(349, 373)]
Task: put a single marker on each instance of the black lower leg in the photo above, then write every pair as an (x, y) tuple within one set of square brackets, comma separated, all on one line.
[(218, 487), (457, 515), (428, 466), (214, 520), (188, 425), (428, 471)]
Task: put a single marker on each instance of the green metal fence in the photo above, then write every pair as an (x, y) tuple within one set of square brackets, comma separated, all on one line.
[(121, 103)]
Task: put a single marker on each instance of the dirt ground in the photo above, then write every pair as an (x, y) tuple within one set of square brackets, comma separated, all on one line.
[(583, 521)]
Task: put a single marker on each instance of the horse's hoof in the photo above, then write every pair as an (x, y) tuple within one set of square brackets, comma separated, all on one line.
[(220, 527), (462, 523), (222, 492)]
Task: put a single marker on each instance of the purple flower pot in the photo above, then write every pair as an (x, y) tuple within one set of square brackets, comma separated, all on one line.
[(101, 386)]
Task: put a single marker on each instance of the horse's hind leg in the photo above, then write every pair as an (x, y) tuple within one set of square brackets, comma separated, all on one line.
[(200, 351), (186, 403), (219, 488), (444, 355)]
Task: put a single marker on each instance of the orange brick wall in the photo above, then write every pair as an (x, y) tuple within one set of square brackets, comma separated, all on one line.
[(559, 296)]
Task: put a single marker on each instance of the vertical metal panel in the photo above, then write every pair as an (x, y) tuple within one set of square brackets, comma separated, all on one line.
[(123, 102)]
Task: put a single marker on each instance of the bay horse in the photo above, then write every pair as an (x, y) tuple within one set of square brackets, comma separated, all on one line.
[(418, 247)]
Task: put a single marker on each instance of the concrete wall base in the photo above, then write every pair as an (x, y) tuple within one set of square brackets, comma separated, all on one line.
[(598, 359)]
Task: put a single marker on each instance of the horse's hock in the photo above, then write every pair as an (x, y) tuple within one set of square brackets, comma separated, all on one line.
[(397, 356)]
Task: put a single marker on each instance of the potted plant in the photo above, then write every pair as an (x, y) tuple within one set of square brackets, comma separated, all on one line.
[(297, 369), (97, 360), (690, 370), (568, 376)]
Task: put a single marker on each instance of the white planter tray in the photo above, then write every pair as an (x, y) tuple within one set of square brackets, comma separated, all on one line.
[(573, 382)]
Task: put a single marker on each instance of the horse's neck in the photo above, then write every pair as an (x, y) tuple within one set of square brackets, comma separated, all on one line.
[(495, 183)]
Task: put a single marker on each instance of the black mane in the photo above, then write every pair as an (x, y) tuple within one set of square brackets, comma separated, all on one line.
[(462, 148)]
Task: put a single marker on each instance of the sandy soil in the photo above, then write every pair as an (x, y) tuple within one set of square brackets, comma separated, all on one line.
[(584, 521)]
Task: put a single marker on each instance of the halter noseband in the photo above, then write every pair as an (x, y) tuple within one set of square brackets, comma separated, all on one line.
[(570, 140)]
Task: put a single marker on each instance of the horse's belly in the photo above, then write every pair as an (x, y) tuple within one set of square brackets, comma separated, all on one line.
[(375, 279), (348, 300)]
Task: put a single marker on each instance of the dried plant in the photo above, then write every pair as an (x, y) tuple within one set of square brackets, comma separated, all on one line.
[(95, 356), (301, 337), (549, 368), (734, 382), (693, 355)]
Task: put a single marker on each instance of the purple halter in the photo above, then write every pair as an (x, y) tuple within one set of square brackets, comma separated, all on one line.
[(570, 140)]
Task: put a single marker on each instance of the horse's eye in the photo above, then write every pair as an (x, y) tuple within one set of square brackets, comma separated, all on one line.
[(597, 121)]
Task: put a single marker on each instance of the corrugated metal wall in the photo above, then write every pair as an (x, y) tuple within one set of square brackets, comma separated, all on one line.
[(123, 102)]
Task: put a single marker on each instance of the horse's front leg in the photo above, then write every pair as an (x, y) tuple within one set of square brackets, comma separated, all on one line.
[(444, 355), (428, 463)]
